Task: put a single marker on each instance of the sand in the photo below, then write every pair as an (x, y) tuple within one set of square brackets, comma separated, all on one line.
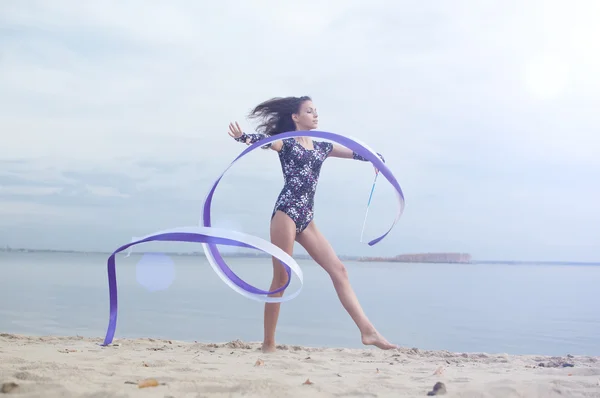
[(32, 366)]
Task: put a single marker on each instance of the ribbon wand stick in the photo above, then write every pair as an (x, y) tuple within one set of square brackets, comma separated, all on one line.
[(368, 204)]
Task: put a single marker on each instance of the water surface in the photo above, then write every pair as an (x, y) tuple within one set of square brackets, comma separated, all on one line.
[(492, 308)]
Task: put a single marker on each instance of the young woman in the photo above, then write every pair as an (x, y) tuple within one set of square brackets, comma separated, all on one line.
[(292, 218)]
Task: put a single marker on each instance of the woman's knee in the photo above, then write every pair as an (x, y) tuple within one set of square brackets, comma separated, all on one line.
[(280, 276), (278, 282), (338, 271), (280, 279)]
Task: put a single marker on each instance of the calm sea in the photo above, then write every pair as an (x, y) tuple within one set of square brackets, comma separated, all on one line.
[(494, 308)]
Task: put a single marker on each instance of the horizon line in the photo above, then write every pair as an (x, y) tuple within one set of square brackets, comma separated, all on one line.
[(8, 249)]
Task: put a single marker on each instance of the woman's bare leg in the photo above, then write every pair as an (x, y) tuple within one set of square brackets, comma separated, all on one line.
[(321, 251), (283, 234)]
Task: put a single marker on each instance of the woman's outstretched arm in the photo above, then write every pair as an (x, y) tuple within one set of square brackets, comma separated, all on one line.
[(236, 132), (340, 151)]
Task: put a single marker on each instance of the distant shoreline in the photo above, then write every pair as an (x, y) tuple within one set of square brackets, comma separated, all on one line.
[(397, 259)]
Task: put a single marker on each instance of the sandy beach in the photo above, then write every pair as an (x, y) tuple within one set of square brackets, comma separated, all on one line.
[(32, 366)]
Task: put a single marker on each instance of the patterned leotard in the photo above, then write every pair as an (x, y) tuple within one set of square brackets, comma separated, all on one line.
[(301, 168)]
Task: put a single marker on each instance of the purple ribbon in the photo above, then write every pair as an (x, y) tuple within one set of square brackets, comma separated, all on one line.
[(164, 237), (210, 241)]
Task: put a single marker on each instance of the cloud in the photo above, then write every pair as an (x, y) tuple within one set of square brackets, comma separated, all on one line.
[(114, 116)]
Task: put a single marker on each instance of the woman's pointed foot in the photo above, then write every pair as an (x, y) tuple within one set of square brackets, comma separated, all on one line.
[(377, 340)]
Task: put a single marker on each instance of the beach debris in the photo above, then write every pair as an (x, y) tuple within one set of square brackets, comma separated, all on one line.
[(376, 370), (439, 371), (556, 363), (308, 382), (259, 362), (414, 351), (67, 350), (339, 375), (238, 344), (164, 347), (148, 383), (438, 389), (8, 387)]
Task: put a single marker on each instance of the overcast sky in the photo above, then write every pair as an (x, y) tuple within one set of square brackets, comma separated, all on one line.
[(114, 115)]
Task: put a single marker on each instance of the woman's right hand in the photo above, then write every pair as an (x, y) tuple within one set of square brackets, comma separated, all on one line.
[(235, 131)]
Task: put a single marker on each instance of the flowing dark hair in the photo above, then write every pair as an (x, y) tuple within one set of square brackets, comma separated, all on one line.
[(276, 114)]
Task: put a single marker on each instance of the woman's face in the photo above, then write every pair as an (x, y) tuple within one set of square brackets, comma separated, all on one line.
[(307, 117)]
